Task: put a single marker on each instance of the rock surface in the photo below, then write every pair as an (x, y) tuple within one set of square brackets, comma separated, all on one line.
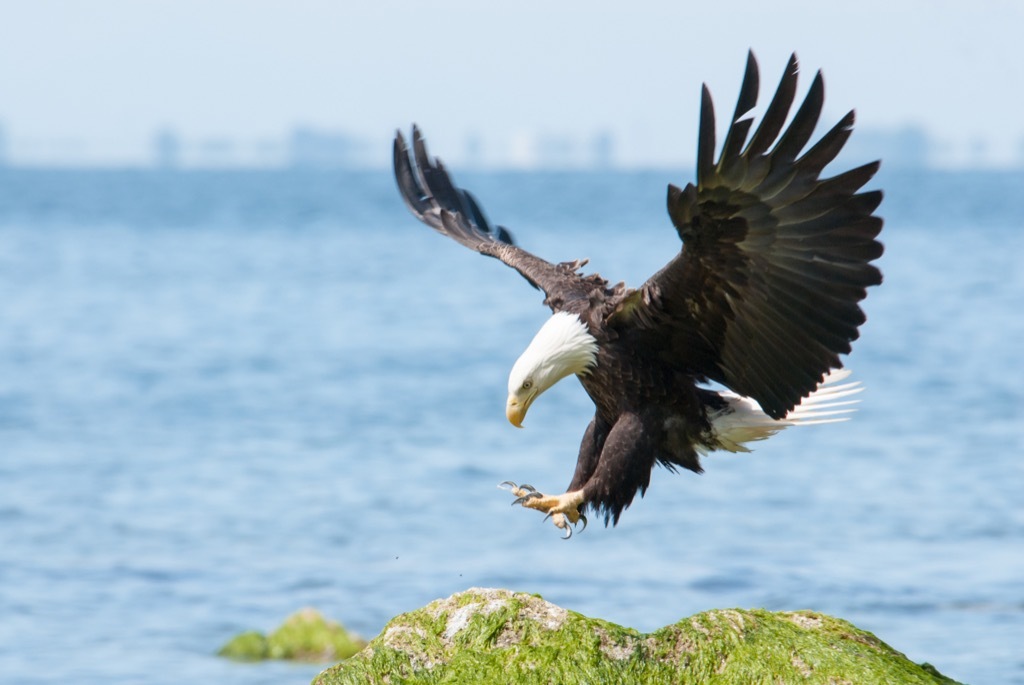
[(497, 636), (304, 636)]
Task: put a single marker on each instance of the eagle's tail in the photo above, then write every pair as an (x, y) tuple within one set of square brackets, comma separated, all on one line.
[(742, 420)]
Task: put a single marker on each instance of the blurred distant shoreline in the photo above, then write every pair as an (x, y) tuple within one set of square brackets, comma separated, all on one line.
[(908, 147)]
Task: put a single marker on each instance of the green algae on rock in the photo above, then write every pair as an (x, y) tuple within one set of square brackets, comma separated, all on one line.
[(485, 635), (304, 636)]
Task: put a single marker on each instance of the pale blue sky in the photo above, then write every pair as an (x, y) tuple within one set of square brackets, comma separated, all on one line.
[(96, 79)]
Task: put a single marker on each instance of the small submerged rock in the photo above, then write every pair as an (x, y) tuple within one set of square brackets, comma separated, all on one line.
[(498, 636), (304, 636)]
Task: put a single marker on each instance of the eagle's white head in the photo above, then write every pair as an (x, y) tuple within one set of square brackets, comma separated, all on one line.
[(561, 347)]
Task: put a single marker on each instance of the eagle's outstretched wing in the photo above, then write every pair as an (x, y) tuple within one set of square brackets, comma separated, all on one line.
[(434, 199), (764, 295)]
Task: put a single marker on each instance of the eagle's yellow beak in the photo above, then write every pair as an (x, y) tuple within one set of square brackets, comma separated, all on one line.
[(516, 410)]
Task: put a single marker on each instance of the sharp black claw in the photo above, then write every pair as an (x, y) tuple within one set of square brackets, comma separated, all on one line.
[(584, 520), (528, 488), (568, 532), (508, 483), (529, 495)]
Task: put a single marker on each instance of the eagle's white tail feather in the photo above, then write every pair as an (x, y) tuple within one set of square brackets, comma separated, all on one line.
[(742, 421)]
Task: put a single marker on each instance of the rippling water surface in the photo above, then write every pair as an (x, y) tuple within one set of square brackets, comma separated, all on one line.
[(227, 396)]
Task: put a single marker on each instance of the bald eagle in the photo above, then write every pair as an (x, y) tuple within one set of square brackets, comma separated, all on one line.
[(762, 299)]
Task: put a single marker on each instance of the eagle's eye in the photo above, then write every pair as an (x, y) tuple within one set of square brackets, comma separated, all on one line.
[(527, 384)]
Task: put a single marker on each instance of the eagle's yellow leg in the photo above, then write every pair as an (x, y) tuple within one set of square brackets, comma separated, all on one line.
[(563, 509)]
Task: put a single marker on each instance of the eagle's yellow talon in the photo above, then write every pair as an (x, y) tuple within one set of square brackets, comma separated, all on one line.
[(563, 510)]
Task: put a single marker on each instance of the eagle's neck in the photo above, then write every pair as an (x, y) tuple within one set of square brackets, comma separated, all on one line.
[(562, 346)]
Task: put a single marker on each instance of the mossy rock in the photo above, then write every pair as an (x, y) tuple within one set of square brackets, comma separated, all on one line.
[(304, 636), (497, 636)]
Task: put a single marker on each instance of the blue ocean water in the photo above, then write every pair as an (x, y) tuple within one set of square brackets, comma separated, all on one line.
[(226, 396)]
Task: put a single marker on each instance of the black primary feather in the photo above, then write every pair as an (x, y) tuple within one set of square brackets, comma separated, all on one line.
[(433, 198), (763, 297)]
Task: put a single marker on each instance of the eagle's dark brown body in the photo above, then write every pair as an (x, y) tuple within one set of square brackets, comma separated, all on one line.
[(646, 413), (763, 298)]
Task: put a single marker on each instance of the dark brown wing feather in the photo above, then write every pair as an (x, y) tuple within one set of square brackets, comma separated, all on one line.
[(433, 198), (765, 294)]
